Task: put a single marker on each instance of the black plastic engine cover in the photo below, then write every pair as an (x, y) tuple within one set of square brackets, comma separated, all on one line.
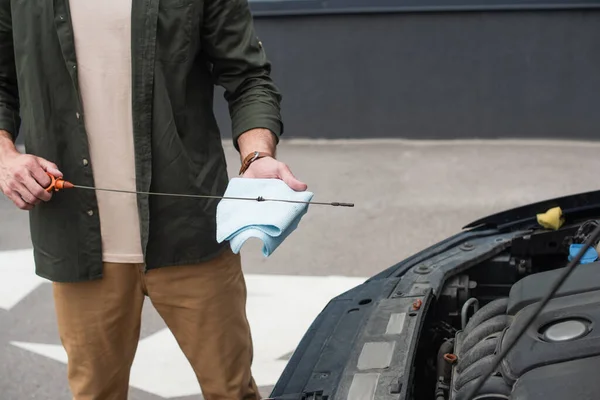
[(531, 289), (576, 380), (533, 350), (546, 364)]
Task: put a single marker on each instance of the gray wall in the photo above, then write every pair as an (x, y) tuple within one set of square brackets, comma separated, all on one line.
[(476, 74)]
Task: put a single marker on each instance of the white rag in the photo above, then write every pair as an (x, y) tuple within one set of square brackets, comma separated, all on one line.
[(269, 221)]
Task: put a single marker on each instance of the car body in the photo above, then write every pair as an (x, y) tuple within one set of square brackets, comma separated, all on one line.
[(427, 327)]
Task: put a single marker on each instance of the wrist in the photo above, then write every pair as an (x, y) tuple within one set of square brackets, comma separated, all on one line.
[(7, 145), (250, 158), (257, 140)]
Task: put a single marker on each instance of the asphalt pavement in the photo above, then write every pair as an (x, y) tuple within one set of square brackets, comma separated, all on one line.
[(407, 194)]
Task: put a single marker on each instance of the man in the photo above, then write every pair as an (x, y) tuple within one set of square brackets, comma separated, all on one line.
[(119, 94)]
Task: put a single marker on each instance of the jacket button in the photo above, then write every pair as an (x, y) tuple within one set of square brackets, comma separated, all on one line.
[(90, 212), (77, 115), (85, 161)]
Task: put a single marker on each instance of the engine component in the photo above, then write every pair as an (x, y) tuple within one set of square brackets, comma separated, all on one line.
[(455, 293), (493, 389), (566, 330), (560, 342), (569, 316), (486, 329), (464, 313), (444, 369), (585, 230), (482, 349), (490, 310), (576, 379), (475, 347), (531, 289), (473, 371)]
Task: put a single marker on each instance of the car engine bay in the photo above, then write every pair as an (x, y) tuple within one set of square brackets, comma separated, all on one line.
[(435, 325), (480, 310)]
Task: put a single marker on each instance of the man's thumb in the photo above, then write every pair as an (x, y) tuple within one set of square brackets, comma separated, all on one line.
[(50, 167), (290, 180)]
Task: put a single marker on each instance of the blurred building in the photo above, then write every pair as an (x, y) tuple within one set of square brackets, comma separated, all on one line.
[(434, 68)]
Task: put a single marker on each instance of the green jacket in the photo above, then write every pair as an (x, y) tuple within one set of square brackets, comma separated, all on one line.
[(180, 50)]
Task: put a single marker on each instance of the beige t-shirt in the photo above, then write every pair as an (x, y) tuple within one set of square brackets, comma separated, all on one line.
[(103, 49)]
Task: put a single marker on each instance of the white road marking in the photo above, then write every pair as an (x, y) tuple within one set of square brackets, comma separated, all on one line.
[(17, 277), (280, 309)]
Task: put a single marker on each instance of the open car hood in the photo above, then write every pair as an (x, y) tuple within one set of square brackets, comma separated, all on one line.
[(380, 340), (571, 204)]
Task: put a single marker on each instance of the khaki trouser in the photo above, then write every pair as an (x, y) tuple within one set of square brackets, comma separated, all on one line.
[(203, 305)]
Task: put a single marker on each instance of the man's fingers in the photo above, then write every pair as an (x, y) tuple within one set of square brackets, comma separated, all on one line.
[(49, 167), (41, 177), (24, 205), (289, 178), (24, 179), (18, 200), (33, 187), (34, 179), (27, 190)]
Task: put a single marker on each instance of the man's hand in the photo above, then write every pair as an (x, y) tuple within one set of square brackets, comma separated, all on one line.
[(267, 167), (22, 176)]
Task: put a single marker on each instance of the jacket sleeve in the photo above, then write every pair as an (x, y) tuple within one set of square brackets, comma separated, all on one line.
[(240, 66), (9, 95)]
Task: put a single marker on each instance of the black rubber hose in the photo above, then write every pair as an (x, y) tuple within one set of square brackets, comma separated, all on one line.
[(443, 368), (494, 388), (490, 310), (480, 350), (473, 372), (491, 326)]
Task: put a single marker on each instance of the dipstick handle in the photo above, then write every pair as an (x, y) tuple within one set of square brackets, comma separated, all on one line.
[(57, 184), (338, 204)]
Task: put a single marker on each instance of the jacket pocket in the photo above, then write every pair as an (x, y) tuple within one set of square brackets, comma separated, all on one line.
[(174, 30)]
